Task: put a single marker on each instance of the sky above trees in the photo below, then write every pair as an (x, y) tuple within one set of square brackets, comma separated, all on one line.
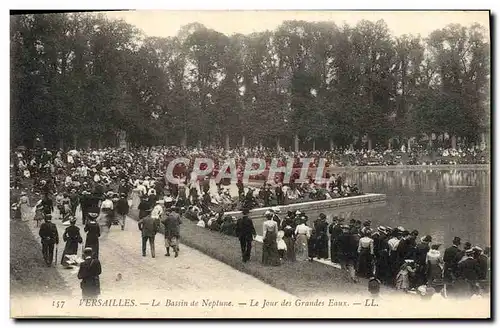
[(164, 23)]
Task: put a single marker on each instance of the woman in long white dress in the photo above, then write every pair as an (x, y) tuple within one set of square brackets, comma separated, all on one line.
[(270, 254), (434, 263), (302, 233), (24, 206)]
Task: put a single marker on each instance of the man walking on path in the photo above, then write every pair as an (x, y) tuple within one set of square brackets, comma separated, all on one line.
[(172, 231), (50, 237), (149, 228), (245, 231), (122, 209)]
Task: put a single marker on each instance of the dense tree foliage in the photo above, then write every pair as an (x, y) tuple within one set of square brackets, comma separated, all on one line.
[(78, 79)]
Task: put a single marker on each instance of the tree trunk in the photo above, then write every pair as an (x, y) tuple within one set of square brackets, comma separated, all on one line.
[(89, 143), (227, 142), (278, 143), (453, 142), (314, 144), (389, 144), (296, 144), (409, 145), (99, 143), (75, 141), (369, 143), (242, 141), (61, 143), (331, 144)]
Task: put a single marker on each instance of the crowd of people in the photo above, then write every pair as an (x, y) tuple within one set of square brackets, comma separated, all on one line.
[(394, 257), (101, 183)]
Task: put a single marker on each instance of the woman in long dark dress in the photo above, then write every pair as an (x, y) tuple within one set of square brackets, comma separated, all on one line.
[(93, 233), (270, 246), (321, 240), (72, 238), (89, 273), (289, 240), (383, 269)]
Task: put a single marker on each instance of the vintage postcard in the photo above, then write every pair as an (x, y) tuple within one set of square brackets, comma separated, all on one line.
[(250, 164)]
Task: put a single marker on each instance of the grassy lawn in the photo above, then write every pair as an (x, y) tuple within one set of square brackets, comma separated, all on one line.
[(300, 278), (28, 272)]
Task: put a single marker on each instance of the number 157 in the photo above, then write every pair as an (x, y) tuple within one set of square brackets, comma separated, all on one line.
[(58, 304)]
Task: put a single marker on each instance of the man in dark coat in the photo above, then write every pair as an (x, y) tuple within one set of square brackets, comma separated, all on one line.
[(93, 232), (124, 188), (245, 231), (84, 205), (321, 237), (450, 260), (461, 254), (280, 195), (89, 273), (143, 207), (421, 251), (205, 185), (468, 272), (241, 189), (482, 261), (348, 242), (404, 248), (172, 224), (249, 201), (122, 209), (94, 201), (47, 204), (266, 196), (74, 199), (72, 238), (49, 237), (149, 228), (335, 231)]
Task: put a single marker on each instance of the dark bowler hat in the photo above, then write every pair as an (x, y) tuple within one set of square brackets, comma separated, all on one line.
[(456, 241)]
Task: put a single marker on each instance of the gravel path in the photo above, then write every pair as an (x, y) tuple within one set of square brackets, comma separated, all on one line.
[(191, 276)]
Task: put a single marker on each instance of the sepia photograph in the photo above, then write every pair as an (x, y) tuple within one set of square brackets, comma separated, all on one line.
[(250, 164)]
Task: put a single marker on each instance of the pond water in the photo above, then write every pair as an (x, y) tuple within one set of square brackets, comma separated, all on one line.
[(441, 203)]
